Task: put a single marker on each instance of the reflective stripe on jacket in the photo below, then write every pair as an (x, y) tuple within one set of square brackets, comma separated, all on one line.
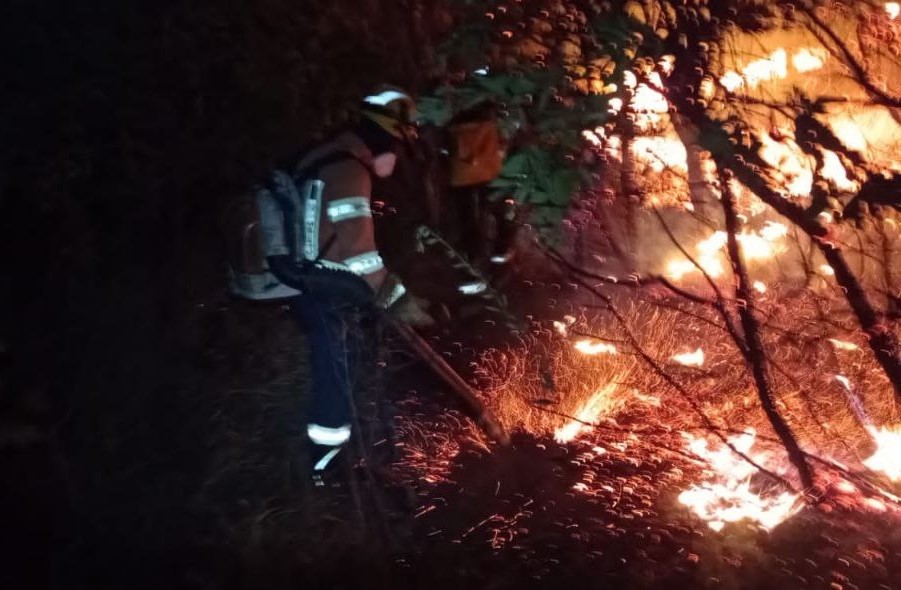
[(346, 231)]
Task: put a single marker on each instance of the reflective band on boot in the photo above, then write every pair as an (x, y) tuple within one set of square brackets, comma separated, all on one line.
[(323, 462), (329, 437)]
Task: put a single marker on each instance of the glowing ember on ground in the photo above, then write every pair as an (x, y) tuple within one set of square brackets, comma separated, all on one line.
[(887, 457), (690, 359), (589, 412), (893, 9), (727, 496), (842, 345), (562, 327), (592, 348)]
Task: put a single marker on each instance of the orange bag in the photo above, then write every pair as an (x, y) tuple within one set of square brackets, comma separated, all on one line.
[(477, 154)]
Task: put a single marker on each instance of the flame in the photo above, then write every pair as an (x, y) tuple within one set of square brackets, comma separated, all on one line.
[(893, 9), (887, 457), (661, 153), (809, 59), (760, 286), (790, 166), (774, 67), (690, 359), (827, 270), (755, 246), (732, 81), (589, 411), (843, 345), (769, 68), (727, 497), (593, 348), (833, 170)]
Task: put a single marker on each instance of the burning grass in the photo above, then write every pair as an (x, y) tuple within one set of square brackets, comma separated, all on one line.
[(585, 374)]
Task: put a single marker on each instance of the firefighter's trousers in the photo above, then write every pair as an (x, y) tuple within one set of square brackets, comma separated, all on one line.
[(335, 333)]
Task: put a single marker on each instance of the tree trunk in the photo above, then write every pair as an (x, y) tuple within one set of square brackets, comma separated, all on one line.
[(883, 342), (753, 352)]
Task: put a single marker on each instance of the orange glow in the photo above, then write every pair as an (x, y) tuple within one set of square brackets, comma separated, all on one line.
[(726, 496)]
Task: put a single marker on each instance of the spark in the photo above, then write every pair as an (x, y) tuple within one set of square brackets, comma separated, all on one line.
[(690, 359)]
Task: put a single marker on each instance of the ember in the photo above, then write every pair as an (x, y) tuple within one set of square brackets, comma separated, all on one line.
[(591, 348), (690, 359)]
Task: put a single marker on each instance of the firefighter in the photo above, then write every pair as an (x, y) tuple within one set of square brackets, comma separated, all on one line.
[(476, 157), (349, 273)]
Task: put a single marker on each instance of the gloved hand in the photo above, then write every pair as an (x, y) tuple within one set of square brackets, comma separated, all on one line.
[(411, 310)]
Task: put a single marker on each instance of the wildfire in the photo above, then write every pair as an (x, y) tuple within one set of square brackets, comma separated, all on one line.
[(887, 457), (589, 412), (755, 246), (592, 348), (774, 67), (727, 495), (690, 359)]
